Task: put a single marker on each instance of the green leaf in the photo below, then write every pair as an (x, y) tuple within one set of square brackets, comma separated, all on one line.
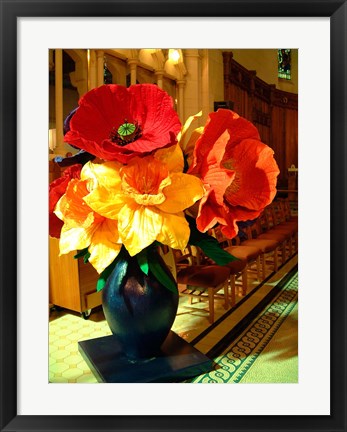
[(86, 258), (195, 234), (208, 244), (212, 249), (142, 260), (82, 253), (108, 270), (105, 274), (158, 272)]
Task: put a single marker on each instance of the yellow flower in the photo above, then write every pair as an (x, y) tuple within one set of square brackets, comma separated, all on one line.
[(188, 144), (84, 228), (147, 197)]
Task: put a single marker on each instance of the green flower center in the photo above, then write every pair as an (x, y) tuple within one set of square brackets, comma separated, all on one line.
[(126, 133), (126, 129)]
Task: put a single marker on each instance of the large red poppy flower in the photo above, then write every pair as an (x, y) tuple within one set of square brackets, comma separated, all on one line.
[(238, 170), (56, 190), (118, 123)]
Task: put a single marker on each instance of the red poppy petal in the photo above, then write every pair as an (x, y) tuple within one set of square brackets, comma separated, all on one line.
[(239, 128), (238, 213), (210, 213), (56, 189), (106, 108), (230, 230), (153, 109), (219, 180), (100, 110), (254, 185), (55, 225), (214, 156)]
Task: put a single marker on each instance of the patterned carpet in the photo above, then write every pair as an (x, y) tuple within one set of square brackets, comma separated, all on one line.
[(267, 350), (256, 341)]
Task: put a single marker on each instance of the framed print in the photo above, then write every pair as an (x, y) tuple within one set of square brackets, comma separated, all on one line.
[(29, 32)]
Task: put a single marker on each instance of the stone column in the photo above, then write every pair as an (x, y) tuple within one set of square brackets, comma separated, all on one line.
[(159, 76), (100, 67), (180, 101), (92, 70), (59, 121), (206, 87), (192, 99), (133, 67)]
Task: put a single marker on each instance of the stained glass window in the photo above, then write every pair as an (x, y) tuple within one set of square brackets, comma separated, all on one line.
[(284, 63), (107, 75)]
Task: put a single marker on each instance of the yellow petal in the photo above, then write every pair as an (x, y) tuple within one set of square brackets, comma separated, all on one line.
[(138, 226), (189, 148), (105, 202), (175, 231), (172, 157), (183, 192), (186, 126), (105, 174), (105, 245), (76, 238)]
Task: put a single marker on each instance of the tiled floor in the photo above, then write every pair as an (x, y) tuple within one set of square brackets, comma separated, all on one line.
[(66, 329)]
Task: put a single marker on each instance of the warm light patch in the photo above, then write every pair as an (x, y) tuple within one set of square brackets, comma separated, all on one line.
[(174, 55)]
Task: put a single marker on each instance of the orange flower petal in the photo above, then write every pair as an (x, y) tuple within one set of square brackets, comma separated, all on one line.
[(145, 175), (71, 208)]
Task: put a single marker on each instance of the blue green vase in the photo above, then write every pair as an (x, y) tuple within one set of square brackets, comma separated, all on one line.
[(138, 308)]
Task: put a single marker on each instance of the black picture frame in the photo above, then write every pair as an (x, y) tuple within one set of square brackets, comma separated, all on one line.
[(10, 10)]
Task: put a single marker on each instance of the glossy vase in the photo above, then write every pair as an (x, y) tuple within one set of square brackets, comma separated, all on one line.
[(138, 308)]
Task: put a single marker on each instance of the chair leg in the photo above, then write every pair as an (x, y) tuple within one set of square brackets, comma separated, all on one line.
[(290, 247), (226, 295), (284, 248), (276, 260), (258, 268), (232, 286), (211, 304), (244, 281), (263, 265)]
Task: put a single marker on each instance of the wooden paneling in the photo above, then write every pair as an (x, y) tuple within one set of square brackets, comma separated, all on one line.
[(272, 111), (72, 284), (63, 279)]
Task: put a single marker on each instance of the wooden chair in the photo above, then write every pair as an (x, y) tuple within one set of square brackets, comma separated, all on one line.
[(238, 269), (286, 210), (275, 223), (269, 247), (285, 221), (250, 254), (206, 279), (268, 231)]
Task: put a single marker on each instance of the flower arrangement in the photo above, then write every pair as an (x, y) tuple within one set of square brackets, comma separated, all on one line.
[(140, 180)]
